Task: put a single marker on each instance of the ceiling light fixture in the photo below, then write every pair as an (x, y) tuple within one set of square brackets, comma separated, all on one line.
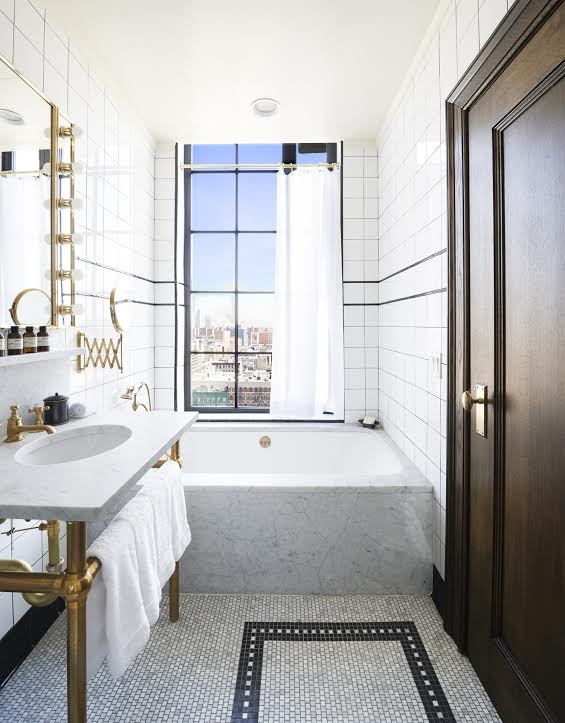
[(265, 107), (11, 116)]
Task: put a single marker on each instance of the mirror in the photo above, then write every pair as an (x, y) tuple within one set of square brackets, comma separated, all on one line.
[(31, 307), (25, 202), (120, 311)]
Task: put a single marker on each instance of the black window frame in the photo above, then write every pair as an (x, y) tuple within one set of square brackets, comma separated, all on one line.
[(289, 155)]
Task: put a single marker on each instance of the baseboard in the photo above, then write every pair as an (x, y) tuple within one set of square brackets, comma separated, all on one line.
[(20, 640), (438, 592)]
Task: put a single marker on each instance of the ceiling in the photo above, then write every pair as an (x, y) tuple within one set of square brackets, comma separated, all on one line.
[(191, 68), (33, 131)]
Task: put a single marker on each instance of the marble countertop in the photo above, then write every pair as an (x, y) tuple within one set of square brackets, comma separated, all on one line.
[(85, 489)]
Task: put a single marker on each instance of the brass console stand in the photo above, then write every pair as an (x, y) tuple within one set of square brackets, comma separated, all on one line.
[(74, 585)]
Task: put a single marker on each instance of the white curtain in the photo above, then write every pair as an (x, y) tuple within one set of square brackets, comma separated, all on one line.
[(307, 368)]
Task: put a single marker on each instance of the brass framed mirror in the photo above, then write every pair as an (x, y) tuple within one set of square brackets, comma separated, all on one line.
[(37, 256), (120, 311), (31, 307)]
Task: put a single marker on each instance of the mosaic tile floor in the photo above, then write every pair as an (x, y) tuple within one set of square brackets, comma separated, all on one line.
[(353, 659)]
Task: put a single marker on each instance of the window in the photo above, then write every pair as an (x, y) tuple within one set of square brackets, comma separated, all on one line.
[(230, 223)]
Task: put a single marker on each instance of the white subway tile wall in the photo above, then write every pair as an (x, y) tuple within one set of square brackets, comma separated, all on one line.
[(360, 277), (412, 258), (166, 290), (118, 224)]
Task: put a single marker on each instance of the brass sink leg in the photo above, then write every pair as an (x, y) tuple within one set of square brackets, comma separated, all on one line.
[(76, 622), (174, 581), (174, 595), (74, 585), (175, 454)]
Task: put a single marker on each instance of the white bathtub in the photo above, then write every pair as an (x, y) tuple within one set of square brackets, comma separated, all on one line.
[(299, 455), (325, 509)]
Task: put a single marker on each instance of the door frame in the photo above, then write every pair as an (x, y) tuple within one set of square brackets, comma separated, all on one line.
[(515, 30)]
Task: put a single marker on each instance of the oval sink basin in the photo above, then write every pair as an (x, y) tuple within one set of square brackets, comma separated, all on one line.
[(73, 444)]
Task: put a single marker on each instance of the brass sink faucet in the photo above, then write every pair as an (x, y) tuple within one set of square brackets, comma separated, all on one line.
[(15, 426)]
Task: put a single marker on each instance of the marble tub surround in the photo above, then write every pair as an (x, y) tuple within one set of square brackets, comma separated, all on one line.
[(318, 540), (83, 490), (324, 509)]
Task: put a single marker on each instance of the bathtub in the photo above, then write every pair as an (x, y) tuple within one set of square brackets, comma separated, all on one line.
[(296, 508)]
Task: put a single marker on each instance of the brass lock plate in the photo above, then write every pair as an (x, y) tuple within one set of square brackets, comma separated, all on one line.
[(481, 410)]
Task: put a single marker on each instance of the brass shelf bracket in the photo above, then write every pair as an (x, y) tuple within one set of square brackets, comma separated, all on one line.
[(100, 353)]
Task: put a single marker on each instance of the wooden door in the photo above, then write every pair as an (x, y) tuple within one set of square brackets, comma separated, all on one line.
[(514, 462)]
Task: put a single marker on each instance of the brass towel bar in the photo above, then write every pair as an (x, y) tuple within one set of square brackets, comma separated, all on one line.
[(73, 585)]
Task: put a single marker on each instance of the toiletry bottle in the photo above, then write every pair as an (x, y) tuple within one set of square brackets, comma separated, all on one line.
[(15, 343), (2, 344), (30, 340), (42, 339)]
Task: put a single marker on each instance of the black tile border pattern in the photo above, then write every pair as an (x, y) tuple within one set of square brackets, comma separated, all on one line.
[(22, 637), (248, 685)]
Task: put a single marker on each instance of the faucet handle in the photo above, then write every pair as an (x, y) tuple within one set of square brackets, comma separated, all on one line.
[(38, 413), (13, 425), (14, 417)]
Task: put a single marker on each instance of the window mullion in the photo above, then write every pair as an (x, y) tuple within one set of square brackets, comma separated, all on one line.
[(236, 330), (250, 401)]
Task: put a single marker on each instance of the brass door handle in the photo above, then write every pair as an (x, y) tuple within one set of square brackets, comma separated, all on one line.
[(467, 400)]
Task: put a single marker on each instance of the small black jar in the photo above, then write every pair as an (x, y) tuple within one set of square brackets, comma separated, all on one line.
[(58, 412)]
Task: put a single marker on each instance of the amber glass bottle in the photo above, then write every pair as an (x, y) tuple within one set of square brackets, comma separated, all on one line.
[(15, 343), (42, 339), (30, 340)]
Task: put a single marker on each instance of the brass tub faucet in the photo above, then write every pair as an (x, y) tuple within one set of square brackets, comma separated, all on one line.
[(131, 394), (15, 426)]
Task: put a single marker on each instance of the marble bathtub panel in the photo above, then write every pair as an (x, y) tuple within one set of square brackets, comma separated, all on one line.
[(326, 540)]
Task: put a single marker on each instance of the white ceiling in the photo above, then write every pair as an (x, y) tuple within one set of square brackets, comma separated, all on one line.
[(17, 95), (190, 68)]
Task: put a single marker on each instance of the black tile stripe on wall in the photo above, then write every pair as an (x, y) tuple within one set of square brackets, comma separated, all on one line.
[(394, 301), (400, 271), (246, 701)]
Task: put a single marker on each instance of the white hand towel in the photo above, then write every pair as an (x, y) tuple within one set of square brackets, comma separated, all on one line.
[(97, 643), (165, 488), (80, 410), (127, 626), (179, 519), (159, 494), (139, 513)]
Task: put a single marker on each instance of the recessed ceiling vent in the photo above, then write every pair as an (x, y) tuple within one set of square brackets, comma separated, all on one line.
[(265, 107), (11, 116)]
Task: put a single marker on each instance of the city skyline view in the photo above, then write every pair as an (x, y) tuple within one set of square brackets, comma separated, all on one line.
[(232, 255), (231, 244)]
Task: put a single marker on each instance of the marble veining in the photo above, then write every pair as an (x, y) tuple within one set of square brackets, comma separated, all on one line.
[(85, 489), (320, 540)]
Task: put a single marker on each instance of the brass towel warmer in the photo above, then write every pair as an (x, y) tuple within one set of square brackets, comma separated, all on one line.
[(42, 588)]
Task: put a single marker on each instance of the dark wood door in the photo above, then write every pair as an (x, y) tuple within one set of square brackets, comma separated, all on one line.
[(516, 322)]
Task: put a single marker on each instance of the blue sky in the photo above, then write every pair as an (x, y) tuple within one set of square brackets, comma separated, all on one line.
[(213, 209)]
